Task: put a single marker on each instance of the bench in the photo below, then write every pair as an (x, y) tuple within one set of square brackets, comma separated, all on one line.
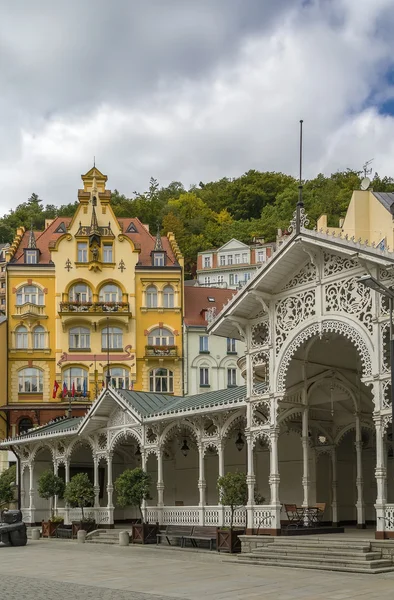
[(64, 532), (174, 532), (201, 533)]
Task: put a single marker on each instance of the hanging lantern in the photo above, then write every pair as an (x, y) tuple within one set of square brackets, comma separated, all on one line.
[(185, 448), (239, 442)]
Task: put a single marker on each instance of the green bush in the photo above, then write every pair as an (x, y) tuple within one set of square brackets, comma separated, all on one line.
[(79, 492), (49, 486), (233, 492), (132, 487), (7, 481)]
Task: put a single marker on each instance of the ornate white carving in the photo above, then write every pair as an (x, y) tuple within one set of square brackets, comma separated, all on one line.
[(350, 297), (117, 418), (333, 264), (260, 334), (290, 312), (385, 347), (386, 393), (306, 275), (304, 221)]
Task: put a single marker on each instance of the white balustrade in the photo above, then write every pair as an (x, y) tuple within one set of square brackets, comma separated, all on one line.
[(152, 514), (389, 517), (211, 515), (239, 517), (181, 515), (263, 517)]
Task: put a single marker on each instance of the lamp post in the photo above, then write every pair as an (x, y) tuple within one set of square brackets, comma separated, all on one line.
[(375, 285)]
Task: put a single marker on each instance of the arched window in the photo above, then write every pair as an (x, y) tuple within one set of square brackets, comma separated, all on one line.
[(77, 377), (79, 337), (39, 337), (80, 292), (21, 337), (110, 293), (31, 294), (24, 425), (168, 297), (120, 378), (160, 337), (151, 297), (162, 381), (30, 381), (112, 338)]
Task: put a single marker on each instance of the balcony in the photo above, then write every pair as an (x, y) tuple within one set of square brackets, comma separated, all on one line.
[(94, 307), (161, 351), (30, 311)]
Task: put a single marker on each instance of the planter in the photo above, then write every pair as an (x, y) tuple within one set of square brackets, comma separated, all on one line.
[(87, 526), (144, 533), (49, 528), (227, 540)]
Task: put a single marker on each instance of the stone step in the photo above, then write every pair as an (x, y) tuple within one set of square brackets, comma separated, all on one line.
[(102, 540), (305, 552), (327, 547), (331, 560), (371, 570)]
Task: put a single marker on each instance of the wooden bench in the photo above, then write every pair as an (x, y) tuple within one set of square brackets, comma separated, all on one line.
[(201, 533), (174, 532)]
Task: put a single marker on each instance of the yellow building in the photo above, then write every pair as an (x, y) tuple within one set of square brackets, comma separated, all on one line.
[(369, 217), (3, 389), (93, 299)]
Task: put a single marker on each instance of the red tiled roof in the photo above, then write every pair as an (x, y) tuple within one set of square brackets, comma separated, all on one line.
[(43, 240), (196, 300)]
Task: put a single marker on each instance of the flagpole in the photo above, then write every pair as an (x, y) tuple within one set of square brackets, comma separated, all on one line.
[(108, 376)]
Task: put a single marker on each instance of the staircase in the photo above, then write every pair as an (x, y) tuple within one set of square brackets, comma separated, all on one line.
[(104, 536), (351, 556)]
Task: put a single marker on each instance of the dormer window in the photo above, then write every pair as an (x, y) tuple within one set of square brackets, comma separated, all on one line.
[(131, 228), (31, 257), (159, 259)]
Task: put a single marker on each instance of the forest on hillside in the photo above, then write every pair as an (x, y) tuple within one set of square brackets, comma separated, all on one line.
[(207, 215)]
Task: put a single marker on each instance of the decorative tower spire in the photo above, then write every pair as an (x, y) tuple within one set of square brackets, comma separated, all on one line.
[(158, 243), (31, 245), (300, 218)]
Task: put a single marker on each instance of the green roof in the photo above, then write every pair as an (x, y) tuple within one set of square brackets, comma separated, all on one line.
[(56, 427), (145, 403)]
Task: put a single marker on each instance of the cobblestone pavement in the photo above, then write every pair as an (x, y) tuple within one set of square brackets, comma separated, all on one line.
[(60, 569)]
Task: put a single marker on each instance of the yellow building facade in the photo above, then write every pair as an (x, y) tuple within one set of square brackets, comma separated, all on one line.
[(93, 300)]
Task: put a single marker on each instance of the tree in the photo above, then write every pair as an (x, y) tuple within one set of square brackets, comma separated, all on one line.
[(233, 492), (49, 486), (132, 487), (7, 482), (79, 492)]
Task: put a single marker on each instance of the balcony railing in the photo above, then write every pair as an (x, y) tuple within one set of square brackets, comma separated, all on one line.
[(94, 307), (30, 310), (161, 351)]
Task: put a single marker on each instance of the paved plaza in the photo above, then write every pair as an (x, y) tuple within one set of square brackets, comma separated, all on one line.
[(60, 570)]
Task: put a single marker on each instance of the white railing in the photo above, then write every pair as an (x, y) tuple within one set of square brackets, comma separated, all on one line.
[(263, 518), (181, 515), (389, 517), (239, 517), (152, 515), (212, 515)]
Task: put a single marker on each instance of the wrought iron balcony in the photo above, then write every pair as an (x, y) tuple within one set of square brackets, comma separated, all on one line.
[(94, 307), (161, 351)]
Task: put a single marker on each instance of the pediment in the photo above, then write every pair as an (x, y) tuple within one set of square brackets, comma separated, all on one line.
[(109, 410), (233, 244)]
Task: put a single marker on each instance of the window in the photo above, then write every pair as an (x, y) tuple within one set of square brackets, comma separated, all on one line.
[(39, 337), (204, 376), (168, 297), (220, 278), (244, 257), (31, 257), (207, 280), (30, 381), (158, 259), (30, 293), (231, 345), (231, 377), (222, 260), (82, 252), (112, 338), (120, 378), (24, 425), (151, 297), (21, 338), (110, 293), (230, 259), (161, 380), (80, 293), (160, 337), (207, 262), (231, 278), (204, 343), (237, 259), (261, 256), (77, 377), (107, 253), (79, 337)]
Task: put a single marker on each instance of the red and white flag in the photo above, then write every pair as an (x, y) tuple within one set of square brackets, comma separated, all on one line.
[(73, 390), (55, 389)]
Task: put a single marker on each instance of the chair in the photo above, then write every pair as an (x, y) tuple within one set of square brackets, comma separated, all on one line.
[(321, 508), (294, 515)]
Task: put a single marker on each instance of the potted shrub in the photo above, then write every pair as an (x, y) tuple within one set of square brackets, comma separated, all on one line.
[(49, 486), (132, 487), (79, 493), (233, 492), (7, 485)]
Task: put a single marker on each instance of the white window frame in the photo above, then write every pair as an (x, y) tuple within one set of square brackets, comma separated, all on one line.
[(231, 346), (39, 337), (110, 293), (231, 377), (168, 297), (158, 259), (161, 381), (21, 337), (207, 262), (108, 253), (79, 338), (237, 260), (120, 378), (31, 257), (222, 260), (82, 252), (245, 258), (229, 259), (151, 297), (161, 337), (30, 381), (207, 280), (204, 376), (204, 344), (30, 294), (261, 256), (76, 376), (83, 295), (111, 338)]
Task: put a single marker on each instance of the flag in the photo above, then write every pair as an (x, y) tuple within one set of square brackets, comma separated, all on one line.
[(73, 390), (65, 390), (102, 384), (55, 389), (85, 391)]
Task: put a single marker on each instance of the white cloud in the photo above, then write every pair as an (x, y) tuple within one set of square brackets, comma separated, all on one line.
[(215, 107)]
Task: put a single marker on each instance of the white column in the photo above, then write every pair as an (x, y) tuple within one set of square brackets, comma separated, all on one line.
[(160, 486), (31, 492), (305, 456), (96, 484), (110, 489), (221, 473), (66, 479), (250, 480), (380, 476), (21, 484), (274, 477), (334, 503), (359, 476), (143, 467), (56, 472), (201, 481)]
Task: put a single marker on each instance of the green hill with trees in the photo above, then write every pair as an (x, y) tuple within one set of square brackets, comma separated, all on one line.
[(255, 204)]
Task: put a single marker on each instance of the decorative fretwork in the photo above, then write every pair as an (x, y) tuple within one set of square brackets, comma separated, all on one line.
[(292, 311), (350, 297), (386, 395), (385, 347), (334, 264), (306, 275), (303, 217), (102, 441), (260, 334), (117, 418), (329, 326), (384, 301)]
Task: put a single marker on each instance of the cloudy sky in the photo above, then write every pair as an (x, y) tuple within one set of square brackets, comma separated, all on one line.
[(190, 90)]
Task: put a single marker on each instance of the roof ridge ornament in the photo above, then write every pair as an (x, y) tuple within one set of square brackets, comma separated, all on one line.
[(300, 218), (158, 242), (32, 244)]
